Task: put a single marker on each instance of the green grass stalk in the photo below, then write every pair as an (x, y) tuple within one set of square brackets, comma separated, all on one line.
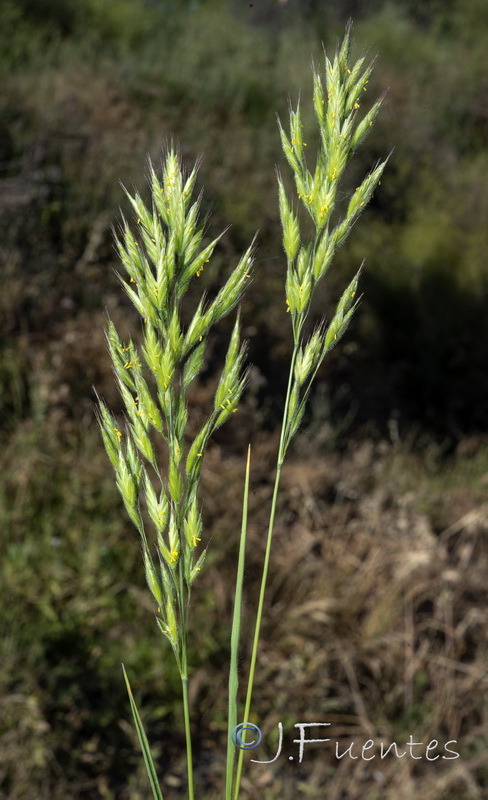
[(307, 263), (235, 636), (264, 577), (146, 752), (184, 680), (160, 260), (189, 755)]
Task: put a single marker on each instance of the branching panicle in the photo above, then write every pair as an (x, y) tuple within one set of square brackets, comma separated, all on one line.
[(160, 260), (336, 109)]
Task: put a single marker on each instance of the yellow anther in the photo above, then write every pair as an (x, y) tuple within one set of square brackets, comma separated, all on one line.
[(130, 364)]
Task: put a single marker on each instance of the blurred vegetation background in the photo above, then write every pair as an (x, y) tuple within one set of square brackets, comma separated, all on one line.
[(377, 606)]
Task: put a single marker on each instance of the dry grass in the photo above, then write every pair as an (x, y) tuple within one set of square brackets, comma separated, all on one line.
[(375, 620), (373, 624)]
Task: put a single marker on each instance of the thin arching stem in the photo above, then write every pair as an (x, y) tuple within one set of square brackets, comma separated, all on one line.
[(264, 577)]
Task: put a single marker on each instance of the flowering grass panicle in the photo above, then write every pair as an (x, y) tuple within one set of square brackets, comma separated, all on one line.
[(160, 259), (336, 111)]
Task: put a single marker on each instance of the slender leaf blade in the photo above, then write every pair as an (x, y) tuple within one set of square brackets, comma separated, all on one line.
[(150, 768), (235, 634)]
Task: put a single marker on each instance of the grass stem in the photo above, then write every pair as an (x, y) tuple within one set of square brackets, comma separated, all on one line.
[(189, 756), (264, 577), (236, 626)]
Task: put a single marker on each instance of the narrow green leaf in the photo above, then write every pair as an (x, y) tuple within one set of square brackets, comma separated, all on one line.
[(151, 770), (236, 629)]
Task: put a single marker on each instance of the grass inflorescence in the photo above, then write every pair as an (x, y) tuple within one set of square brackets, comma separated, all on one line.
[(160, 259)]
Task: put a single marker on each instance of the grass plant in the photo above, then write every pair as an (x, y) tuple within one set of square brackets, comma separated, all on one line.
[(160, 260), (82, 105)]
